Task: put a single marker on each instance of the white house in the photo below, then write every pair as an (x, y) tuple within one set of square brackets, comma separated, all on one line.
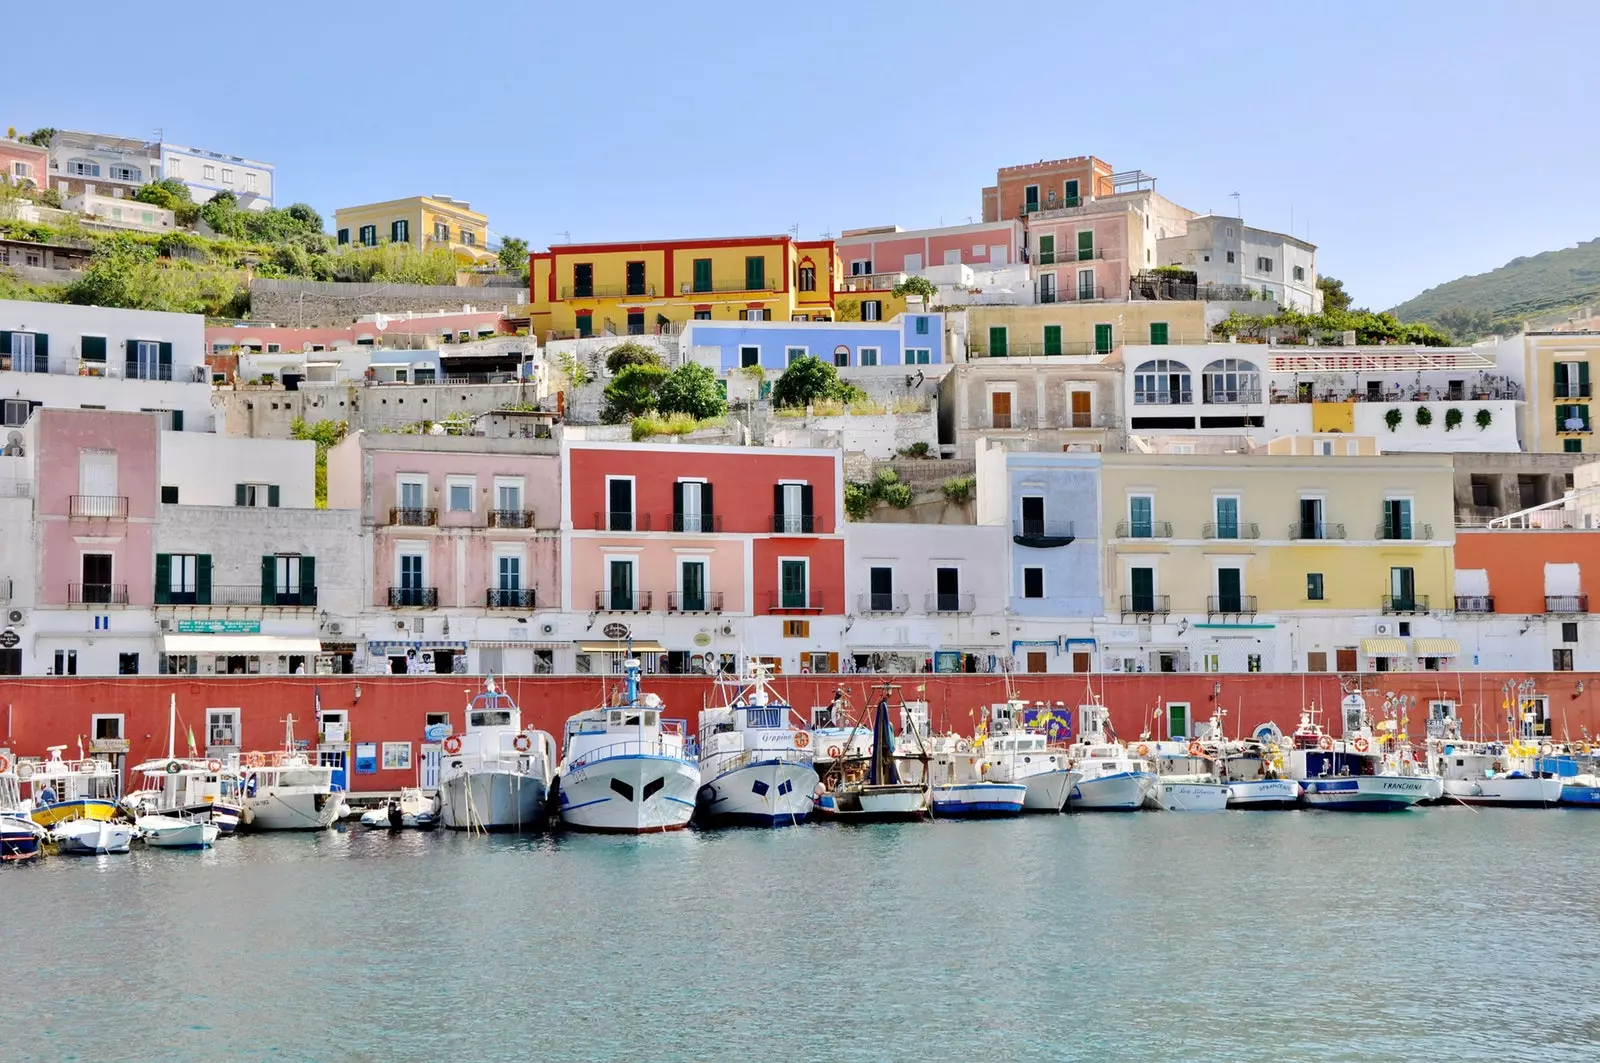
[(209, 172), (1226, 252)]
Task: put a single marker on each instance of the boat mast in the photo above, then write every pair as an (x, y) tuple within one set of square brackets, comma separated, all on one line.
[(172, 724)]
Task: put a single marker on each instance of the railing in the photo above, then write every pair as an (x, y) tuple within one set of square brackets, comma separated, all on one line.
[(1233, 397), (1474, 603), (1163, 398), (511, 598), (1144, 529), (789, 602), (1057, 203), (1566, 603), (950, 604), (1040, 528), (412, 517), (1416, 603), (1306, 530), (1391, 530), (413, 597), (696, 523), (241, 594), (1035, 349), (97, 594), (1070, 293), (794, 523), (704, 602), (1406, 394), (110, 507), (870, 282), (1146, 604), (621, 520), (642, 602), (633, 747), (1573, 390), (1239, 529), (511, 518), (1231, 604), (882, 603), (608, 291)]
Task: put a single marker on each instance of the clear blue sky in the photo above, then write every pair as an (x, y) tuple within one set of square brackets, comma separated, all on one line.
[(1414, 141)]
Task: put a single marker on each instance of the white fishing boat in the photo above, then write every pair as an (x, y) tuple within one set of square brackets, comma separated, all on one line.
[(1017, 749), (1348, 773), (61, 790), (495, 776), (289, 789), (176, 832), (756, 766), (835, 736), (1185, 778), (624, 769), (20, 836), (414, 809), (1253, 771), (1507, 775), (90, 837), (1110, 780), (186, 788), (875, 790)]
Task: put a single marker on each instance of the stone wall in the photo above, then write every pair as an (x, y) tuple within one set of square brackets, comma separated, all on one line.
[(267, 413), (308, 304)]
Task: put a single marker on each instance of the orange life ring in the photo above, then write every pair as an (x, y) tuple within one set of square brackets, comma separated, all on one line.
[(1325, 743), (5, 763), (452, 745), (253, 760), (834, 751), (1196, 749), (801, 739), (1143, 750), (522, 743), (213, 765), (1361, 745)]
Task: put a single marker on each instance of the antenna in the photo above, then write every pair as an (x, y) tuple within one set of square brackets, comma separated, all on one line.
[(1238, 211), (794, 230), (566, 237)]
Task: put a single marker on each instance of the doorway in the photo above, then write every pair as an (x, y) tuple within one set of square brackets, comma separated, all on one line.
[(1000, 409)]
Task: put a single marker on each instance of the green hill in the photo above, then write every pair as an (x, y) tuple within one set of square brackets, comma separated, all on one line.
[(1500, 300)]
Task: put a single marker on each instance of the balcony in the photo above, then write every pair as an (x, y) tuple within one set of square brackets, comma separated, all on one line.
[(696, 523), (1054, 202), (1144, 529), (1231, 530), (1231, 396), (407, 516), (870, 282), (1573, 390), (97, 594), (606, 602), (949, 604), (1069, 294), (1474, 603), (1416, 603), (1042, 533), (791, 602), (1231, 605), (1173, 397), (413, 597), (1392, 530), (511, 518), (882, 604), (1146, 605), (794, 524), (609, 291), (1308, 530), (102, 507), (249, 595), (511, 598), (703, 602), (1566, 603), (621, 520), (727, 287)]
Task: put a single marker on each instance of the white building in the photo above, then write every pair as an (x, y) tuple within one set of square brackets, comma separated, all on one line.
[(100, 163), (121, 212), (1226, 252), (212, 470), (209, 172)]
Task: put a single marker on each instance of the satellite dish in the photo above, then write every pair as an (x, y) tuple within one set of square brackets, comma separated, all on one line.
[(14, 438), (380, 322)]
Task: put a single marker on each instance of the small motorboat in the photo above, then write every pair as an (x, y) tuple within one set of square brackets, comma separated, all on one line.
[(91, 837), (980, 799), (175, 832), (1582, 790), (414, 809)]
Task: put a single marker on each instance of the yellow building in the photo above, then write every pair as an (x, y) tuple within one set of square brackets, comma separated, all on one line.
[(421, 221), (639, 288), (1081, 328), (1559, 367)]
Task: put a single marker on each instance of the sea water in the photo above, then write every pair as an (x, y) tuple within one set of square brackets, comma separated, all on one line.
[(1447, 934)]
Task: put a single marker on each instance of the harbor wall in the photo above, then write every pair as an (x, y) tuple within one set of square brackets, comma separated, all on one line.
[(38, 713)]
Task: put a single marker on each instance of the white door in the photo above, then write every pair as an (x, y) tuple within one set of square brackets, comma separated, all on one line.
[(97, 483), (430, 767), (997, 254), (913, 264)]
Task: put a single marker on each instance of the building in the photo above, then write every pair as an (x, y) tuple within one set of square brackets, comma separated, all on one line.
[(96, 163), (1225, 253), (68, 356), (1022, 190), (702, 553), (24, 165), (1069, 403), (581, 290), (1091, 252), (206, 173), (120, 212), (423, 222), (907, 339), (1559, 367), (1073, 328), (891, 250)]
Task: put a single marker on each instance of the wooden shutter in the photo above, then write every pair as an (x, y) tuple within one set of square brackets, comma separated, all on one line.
[(269, 579), (202, 579), (130, 358), (1052, 339), (806, 523), (41, 352), (163, 579), (833, 664), (1561, 380), (1158, 333), (165, 360), (1583, 377), (677, 506), (707, 510), (5, 342), (308, 580), (239, 493), (272, 495), (777, 505)]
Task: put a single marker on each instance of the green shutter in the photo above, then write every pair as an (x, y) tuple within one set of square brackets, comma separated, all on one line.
[(94, 348), (1047, 250), (1052, 339), (1561, 380), (165, 359), (1142, 581), (997, 341), (755, 273), (308, 581), (272, 495), (41, 352), (1085, 246), (130, 358), (5, 342), (702, 274), (1583, 379), (177, 420), (163, 579), (1158, 333), (269, 579), (1102, 339), (202, 579)]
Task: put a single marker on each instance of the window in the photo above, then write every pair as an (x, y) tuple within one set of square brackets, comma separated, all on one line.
[(1085, 246), (918, 356), (1263, 265), (461, 492), (250, 182), (755, 273), (400, 231), (1081, 402), (582, 279), (793, 583), (636, 322), (1158, 333), (869, 355), (127, 664), (880, 596), (1230, 380), (259, 495), (169, 494), (808, 279), (841, 355), (872, 310), (208, 172), (753, 314), (1230, 257), (124, 173), (1561, 659), (183, 579), (369, 236), (1227, 517), (1070, 190), (793, 354), (66, 663), (997, 341), (411, 579), (1160, 383), (1403, 589), (344, 236), (83, 168), (1572, 446), (441, 230), (1142, 589), (1571, 380), (1047, 288), (619, 503), (692, 586), (508, 496), (30, 351), (508, 572), (1141, 516), (947, 590), (634, 273), (1030, 198), (1033, 582), (1569, 631), (1299, 273), (749, 356), (1230, 590), (469, 237), (1086, 288), (861, 267), (227, 176), (1047, 250), (1314, 587), (1573, 417), (702, 315), (921, 326), (702, 275), (1397, 518), (293, 580), (797, 629)]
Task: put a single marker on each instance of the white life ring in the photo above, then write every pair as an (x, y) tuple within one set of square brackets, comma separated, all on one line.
[(24, 771), (522, 743)]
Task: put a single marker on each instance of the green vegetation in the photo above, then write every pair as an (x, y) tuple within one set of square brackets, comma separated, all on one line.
[(959, 490), (1334, 297), (514, 255), (1292, 326), (672, 424), (808, 379), (1452, 419), (1392, 418), (917, 286), (1499, 301), (637, 390), (859, 498), (1484, 419), (39, 137), (630, 353), (1424, 417), (326, 435), (919, 449)]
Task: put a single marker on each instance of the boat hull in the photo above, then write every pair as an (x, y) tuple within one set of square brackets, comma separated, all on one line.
[(1580, 796), (1366, 793), (20, 838), (81, 808), (978, 800), (93, 837), (1048, 791), (1505, 791), (637, 793), (493, 801), (1264, 794), (178, 834), (1191, 796), (292, 811), (1124, 792), (767, 793)]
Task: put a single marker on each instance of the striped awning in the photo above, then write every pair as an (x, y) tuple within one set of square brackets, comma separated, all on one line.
[(1385, 648), (1438, 648), (385, 647), (621, 646)]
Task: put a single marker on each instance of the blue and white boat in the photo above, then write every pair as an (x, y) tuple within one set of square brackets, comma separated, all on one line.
[(1015, 752), (1581, 790), (624, 769), (756, 767), (20, 836), (974, 800), (1110, 780), (1349, 774), (495, 775), (879, 790)]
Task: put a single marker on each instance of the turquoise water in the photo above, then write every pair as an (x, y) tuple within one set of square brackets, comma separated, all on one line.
[(1444, 934)]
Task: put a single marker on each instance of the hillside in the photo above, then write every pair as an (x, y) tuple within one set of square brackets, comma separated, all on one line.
[(1500, 300)]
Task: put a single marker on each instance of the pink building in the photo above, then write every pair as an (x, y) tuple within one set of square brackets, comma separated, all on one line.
[(1091, 251), (430, 330), (863, 252), (24, 164)]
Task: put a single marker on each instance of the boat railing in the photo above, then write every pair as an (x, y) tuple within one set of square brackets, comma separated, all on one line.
[(632, 747), (735, 759)]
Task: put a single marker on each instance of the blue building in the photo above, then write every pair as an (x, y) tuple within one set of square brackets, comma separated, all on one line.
[(907, 339), (1050, 501)]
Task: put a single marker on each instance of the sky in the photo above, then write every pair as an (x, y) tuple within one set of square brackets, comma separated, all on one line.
[(1412, 141)]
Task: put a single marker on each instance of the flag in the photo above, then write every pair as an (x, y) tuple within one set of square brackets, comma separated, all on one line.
[(192, 753)]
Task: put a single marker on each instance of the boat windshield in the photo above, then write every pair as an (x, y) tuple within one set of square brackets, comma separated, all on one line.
[(491, 718)]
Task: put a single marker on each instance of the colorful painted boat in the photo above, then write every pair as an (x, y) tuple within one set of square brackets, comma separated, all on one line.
[(61, 790)]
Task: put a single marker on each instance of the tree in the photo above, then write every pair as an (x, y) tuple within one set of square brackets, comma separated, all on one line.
[(1334, 297), (40, 137), (808, 379), (168, 193), (514, 254), (632, 392), (630, 353), (917, 286), (306, 215), (692, 389)]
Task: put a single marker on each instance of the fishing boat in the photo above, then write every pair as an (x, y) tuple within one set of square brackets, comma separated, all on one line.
[(92, 837), (177, 832), (836, 736), (495, 776), (757, 768), (1110, 780), (1581, 790), (60, 790), (1348, 773), (1185, 778), (186, 788), (873, 791), (1507, 775), (1017, 749), (20, 836), (1253, 771), (414, 809), (625, 769), (289, 789)]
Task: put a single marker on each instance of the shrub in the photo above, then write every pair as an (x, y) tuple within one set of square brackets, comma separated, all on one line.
[(1452, 419), (959, 490), (692, 389), (1424, 417), (919, 449), (1484, 419), (888, 488), (630, 353), (632, 392), (1392, 419), (858, 500)]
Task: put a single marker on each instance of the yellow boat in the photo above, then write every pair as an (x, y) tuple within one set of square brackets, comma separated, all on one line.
[(60, 790)]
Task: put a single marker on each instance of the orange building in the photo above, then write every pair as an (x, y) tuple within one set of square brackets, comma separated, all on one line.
[(1022, 190)]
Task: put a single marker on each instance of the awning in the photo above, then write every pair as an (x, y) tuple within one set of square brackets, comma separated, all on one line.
[(516, 644), (241, 644), (385, 647), (1384, 648), (1438, 647), (621, 646)]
